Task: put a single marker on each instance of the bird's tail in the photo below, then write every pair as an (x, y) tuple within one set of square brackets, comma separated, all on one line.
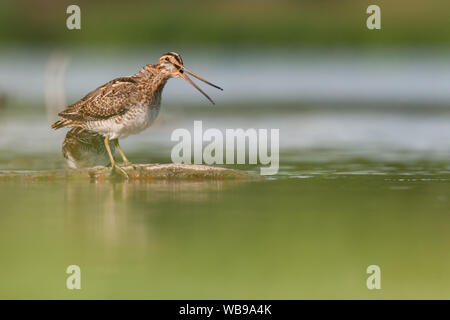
[(62, 123), (58, 124)]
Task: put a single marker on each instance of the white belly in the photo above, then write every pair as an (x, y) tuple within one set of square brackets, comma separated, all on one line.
[(134, 121)]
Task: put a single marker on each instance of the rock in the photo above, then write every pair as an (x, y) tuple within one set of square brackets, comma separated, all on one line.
[(135, 172)]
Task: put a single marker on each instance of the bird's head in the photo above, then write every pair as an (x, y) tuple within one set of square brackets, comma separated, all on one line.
[(172, 64)]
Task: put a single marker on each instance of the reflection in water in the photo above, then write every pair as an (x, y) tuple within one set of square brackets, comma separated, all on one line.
[(111, 209), (264, 239)]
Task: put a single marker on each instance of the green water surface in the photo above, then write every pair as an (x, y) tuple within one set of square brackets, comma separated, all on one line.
[(310, 233)]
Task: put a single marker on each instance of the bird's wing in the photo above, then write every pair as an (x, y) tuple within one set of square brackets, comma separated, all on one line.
[(112, 99)]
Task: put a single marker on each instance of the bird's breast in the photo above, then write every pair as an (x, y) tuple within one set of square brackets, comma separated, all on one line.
[(138, 119), (135, 120)]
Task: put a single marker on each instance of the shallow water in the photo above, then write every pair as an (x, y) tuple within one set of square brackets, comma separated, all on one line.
[(353, 189)]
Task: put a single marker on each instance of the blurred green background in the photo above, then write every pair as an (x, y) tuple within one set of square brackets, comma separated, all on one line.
[(364, 175), (261, 23)]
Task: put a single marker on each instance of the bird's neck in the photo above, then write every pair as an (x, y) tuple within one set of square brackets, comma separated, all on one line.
[(153, 82)]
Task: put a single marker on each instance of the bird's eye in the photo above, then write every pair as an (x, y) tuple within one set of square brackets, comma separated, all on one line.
[(167, 59)]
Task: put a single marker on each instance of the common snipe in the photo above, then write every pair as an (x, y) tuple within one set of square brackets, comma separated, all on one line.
[(126, 105)]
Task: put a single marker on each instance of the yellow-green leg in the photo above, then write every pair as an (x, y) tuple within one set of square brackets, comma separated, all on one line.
[(113, 162), (126, 162)]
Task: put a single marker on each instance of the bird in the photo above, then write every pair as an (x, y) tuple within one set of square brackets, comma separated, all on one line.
[(126, 105), (85, 149)]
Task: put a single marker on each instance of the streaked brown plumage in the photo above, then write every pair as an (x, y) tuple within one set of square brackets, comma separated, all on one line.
[(126, 105)]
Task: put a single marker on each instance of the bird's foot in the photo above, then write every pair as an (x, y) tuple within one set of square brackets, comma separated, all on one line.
[(119, 170), (127, 164)]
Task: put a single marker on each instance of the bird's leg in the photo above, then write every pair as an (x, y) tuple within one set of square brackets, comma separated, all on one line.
[(113, 162), (126, 162)]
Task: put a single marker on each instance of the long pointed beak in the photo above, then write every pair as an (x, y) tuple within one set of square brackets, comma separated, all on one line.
[(185, 77), (183, 74), (200, 78)]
